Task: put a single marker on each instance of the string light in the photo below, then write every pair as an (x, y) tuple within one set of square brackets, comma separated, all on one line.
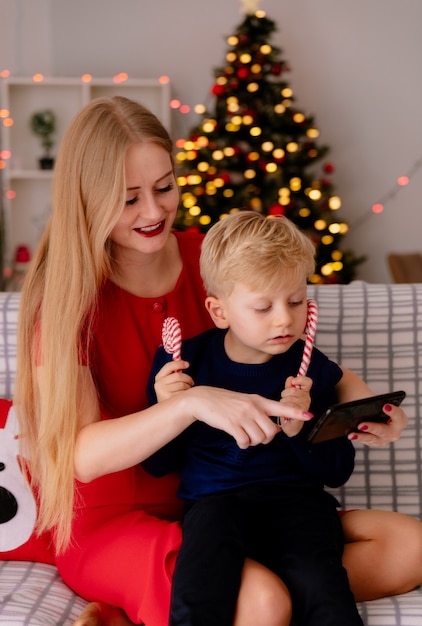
[(377, 207), (120, 78), (402, 181)]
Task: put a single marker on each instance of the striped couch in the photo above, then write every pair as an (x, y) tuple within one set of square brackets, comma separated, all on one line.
[(375, 330)]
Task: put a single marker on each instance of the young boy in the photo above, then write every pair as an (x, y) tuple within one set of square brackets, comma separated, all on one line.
[(266, 502)]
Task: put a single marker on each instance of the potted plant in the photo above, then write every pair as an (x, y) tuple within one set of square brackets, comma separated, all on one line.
[(43, 124)]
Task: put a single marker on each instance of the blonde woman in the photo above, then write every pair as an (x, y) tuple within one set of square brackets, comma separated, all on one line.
[(107, 272)]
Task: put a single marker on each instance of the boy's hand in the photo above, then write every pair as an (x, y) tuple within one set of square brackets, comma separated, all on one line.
[(296, 393), (171, 379)]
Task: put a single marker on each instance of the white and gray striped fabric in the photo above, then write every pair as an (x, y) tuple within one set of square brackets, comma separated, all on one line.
[(375, 330), (33, 594)]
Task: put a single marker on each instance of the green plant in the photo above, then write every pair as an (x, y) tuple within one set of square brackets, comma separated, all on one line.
[(43, 124)]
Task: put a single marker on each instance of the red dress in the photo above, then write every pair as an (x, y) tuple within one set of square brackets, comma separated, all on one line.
[(125, 537)]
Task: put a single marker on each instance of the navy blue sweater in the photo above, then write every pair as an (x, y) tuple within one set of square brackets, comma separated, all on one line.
[(210, 461)]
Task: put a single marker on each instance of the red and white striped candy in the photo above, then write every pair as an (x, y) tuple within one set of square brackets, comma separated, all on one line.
[(172, 337), (310, 330)]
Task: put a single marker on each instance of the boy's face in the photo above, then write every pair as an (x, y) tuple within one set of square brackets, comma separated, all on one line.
[(261, 323)]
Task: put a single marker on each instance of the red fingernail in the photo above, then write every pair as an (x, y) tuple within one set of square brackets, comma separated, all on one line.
[(387, 407), (353, 437), (363, 427)]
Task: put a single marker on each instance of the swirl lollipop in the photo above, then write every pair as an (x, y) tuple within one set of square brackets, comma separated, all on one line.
[(310, 330), (172, 337)]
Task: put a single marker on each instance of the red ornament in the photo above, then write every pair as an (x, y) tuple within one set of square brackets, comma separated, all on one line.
[(249, 112), (328, 168), (331, 280), (22, 254), (243, 73), (276, 209), (276, 69), (218, 90)]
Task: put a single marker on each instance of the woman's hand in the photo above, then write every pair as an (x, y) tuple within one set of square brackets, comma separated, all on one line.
[(171, 379), (111, 445), (377, 434), (296, 393), (246, 417), (372, 434)]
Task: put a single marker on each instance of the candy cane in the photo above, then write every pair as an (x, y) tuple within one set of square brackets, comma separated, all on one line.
[(310, 330), (172, 337)]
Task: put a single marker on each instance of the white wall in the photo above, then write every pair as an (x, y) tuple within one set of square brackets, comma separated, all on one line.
[(355, 66)]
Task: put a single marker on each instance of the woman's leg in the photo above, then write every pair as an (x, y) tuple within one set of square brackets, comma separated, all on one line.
[(263, 601), (263, 598), (383, 553)]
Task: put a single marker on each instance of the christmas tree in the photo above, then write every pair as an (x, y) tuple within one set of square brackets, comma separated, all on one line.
[(258, 151)]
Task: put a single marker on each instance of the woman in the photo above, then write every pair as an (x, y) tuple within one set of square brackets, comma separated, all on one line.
[(108, 271)]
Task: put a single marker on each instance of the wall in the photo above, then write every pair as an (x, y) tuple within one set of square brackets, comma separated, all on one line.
[(355, 66)]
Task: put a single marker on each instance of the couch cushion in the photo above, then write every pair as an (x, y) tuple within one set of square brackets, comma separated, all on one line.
[(403, 610), (376, 330), (9, 309), (34, 594)]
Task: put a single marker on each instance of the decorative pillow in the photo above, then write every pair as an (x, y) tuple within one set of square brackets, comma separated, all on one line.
[(18, 507)]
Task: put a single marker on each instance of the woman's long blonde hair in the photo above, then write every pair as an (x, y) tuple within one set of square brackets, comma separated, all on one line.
[(59, 296)]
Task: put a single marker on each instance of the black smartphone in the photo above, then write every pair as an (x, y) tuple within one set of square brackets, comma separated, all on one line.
[(342, 419)]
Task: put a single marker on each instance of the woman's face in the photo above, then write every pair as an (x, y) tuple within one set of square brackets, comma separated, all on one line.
[(152, 198)]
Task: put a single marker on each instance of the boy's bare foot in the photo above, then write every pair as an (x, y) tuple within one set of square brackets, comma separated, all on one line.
[(101, 614)]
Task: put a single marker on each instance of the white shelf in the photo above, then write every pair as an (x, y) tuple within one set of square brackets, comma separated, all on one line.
[(27, 213), (30, 174)]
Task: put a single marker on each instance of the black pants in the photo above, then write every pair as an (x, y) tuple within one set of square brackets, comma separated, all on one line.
[(295, 531)]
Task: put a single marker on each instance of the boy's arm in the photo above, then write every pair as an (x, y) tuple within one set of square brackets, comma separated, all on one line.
[(331, 462), (171, 379), (352, 387), (297, 393), (170, 457), (167, 459)]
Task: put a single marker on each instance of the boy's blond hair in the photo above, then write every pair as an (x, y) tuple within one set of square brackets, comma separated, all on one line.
[(249, 248)]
